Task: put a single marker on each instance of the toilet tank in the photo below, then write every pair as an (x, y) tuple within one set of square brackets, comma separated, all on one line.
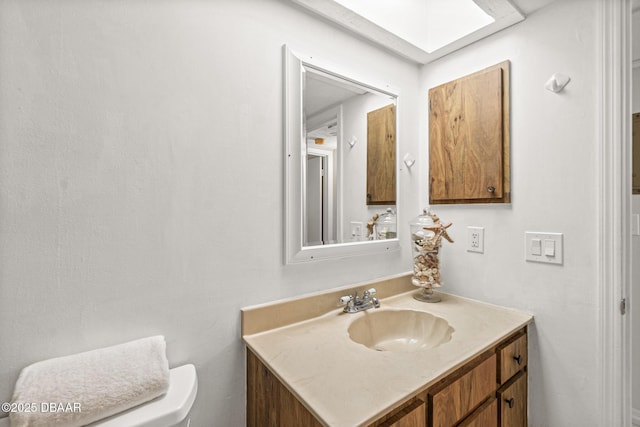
[(169, 410)]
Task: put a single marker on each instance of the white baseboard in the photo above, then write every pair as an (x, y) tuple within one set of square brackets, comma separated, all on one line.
[(635, 417)]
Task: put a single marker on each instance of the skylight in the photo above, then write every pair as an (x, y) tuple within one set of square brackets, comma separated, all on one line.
[(427, 24), (419, 30)]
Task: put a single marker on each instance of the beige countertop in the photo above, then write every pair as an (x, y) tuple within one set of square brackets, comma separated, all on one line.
[(347, 384)]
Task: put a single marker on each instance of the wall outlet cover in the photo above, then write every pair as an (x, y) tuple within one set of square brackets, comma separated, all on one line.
[(475, 239)]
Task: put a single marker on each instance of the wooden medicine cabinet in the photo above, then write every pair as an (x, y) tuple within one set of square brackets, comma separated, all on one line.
[(381, 156), (469, 139)]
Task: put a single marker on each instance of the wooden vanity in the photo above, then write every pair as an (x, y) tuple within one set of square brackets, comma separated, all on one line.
[(310, 374)]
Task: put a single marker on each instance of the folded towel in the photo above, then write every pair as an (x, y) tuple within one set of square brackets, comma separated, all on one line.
[(79, 389)]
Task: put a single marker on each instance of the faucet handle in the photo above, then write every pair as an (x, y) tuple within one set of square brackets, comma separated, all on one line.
[(345, 300), (371, 291)]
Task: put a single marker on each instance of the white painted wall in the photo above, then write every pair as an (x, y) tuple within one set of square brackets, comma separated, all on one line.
[(141, 185), (635, 240), (554, 140), (141, 178), (635, 283)]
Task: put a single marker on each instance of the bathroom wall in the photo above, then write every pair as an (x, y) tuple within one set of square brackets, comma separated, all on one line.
[(554, 146), (141, 178), (635, 240), (635, 292)]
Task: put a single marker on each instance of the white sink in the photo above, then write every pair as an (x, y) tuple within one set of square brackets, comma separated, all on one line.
[(399, 330)]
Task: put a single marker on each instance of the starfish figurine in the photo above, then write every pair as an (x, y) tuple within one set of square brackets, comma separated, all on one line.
[(370, 225), (440, 230)]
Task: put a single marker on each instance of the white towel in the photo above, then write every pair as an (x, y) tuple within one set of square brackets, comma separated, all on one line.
[(79, 389)]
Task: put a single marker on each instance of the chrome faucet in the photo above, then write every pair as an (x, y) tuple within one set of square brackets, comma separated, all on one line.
[(355, 303)]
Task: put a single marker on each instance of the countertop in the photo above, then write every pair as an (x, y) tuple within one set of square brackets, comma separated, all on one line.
[(347, 384)]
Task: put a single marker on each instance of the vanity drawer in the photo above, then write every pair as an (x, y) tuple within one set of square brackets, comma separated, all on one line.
[(450, 402), (512, 357), (513, 402)]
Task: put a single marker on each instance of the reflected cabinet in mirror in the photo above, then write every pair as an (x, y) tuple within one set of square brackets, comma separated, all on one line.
[(341, 162)]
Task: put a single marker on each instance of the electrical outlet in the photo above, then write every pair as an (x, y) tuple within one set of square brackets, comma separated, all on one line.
[(475, 239)]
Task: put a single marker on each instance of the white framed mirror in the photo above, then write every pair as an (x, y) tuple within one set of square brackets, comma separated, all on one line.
[(341, 163)]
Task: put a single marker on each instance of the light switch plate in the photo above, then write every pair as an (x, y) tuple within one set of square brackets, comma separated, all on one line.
[(552, 247), (356, 231)]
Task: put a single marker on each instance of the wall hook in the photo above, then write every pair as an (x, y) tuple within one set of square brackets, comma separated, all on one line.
[(557, 82), (352, 141), (408, 160)]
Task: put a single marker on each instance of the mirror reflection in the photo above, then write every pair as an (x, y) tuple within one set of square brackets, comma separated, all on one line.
[(349, 161)]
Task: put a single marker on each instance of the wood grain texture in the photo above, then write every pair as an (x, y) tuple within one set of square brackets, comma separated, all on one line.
[(485, 416), (411, 414), (446, 145), (513, 402), (512, 357), (469, 138), (381, 156), (271, 404), (450, 403), (482, 104)]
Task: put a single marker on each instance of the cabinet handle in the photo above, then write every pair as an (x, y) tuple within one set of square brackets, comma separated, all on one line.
[(491, 189), (518, 359), (510, 402)]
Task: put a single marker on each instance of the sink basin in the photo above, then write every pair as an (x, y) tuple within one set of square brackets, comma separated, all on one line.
[(399, 330)]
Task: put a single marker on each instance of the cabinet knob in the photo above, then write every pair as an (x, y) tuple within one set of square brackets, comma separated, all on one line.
[(491, 189), (518, 359), (510, 402)]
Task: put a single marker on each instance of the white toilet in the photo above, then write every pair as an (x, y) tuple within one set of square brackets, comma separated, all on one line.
[(169, 410)]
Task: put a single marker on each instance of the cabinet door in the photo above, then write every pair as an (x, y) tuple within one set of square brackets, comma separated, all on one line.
[(513, 402), (269, 402), (381, 156), (469, 138), (484, 416), (451, 402), (413, 415)]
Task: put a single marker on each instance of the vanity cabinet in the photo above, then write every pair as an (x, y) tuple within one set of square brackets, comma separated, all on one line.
[(411, 414), (485, 415), (469, 139), (489, 390), (512, 394), (269, 402), (456, 396)]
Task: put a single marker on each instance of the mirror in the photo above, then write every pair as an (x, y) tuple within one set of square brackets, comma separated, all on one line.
[(340, 153)]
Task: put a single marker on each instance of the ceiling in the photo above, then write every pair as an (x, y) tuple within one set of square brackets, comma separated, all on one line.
[(321, 92), (527, 7), (424, 30)]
